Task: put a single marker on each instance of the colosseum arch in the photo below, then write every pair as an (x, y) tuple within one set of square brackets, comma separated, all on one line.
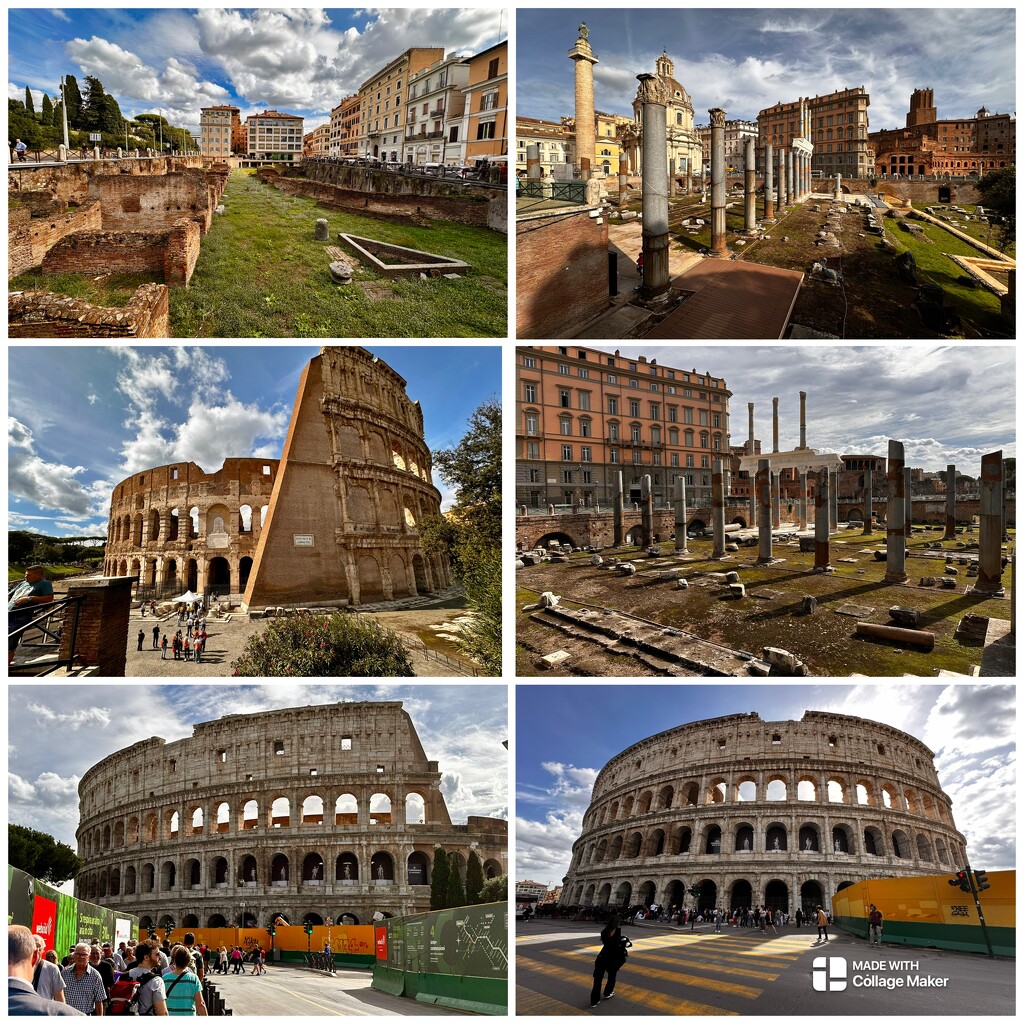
[(746, 790), (644, 803), (665, 798), (682, 837), (615, 848), (843, 840), (129, 880), (743, 837), (280, 868), (346, 810), (312, 869), (415, 809), (807, 789), (312, 810), (655, 843), (382, 867), (776, 838), (280, 812), (810, 838), (417, 868), (380, 809), (346, 868), (633, 844), (741, 895)]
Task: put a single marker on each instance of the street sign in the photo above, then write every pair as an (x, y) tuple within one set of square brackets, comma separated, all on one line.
[(95, 136)]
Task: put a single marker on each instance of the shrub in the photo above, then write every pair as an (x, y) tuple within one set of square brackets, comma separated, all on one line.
[(324, 645)]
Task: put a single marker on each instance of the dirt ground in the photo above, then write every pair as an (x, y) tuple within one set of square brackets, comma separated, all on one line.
[(769, 615)]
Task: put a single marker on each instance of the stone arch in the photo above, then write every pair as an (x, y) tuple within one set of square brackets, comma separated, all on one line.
[(312, 810), (874, 842), (891, 798), (941, 853), (388, 508), (133, 830), (244, 571), (812, 896), (220, 873), (778, 788), (153, 525), (743, 840), (842, 839), (633, 845), (746, 790), (150, 827), (807, 789), (691, 794), (312, 869), (614, 812), (562, 538), (218, 575), (776, 895), (281, 812), (216, 921), (775, 837), (901, 844), (371, 584), (627, 806), (129, 880), (380, 809), (115, 881), (656, 843), (600, 851), (645, 894), (245, 518), (279, 870), (196, 821), (417, 868), (865, 792), (346, 810), (682, 837), (193, 874), (400, 585), (415, 809), (623, 895), (492, 868), (835, 791), (250, 814), (586, 898), (665, 798), (148, 877), (604, 895), (924, 848), (346, 868), (419, 569), (741, 895), (222, 821), (715, 792), (712, 840), (382, 867), (360, 507), (615, 848), (644, 803), (168, 875), (809, 838)]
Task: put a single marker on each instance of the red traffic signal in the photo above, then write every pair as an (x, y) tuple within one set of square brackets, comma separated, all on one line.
[(962, 881)]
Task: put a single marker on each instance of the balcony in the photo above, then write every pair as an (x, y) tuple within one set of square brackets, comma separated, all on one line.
[(438, 112)]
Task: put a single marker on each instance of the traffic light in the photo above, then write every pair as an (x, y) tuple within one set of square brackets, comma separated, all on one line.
[(309, 927), (962, 881), (270, 931), (981, 881)]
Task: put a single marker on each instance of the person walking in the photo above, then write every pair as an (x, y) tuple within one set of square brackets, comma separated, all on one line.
[(156, 637), (821, 919), (874, 925), (610, 960)]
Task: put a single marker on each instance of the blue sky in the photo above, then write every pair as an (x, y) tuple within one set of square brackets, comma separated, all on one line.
[(301, 61), (54, 741), (566, 734), (746, 59), (123, 409)]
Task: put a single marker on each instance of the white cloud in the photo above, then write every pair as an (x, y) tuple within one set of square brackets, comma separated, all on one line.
[(46, 484)]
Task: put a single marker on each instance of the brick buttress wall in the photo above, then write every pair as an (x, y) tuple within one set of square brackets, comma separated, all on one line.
[(108, 252), (45, 315), (102, 635), (33, 230)]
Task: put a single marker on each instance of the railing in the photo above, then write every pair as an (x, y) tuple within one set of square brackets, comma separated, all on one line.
[(51, 622), (323, 962), (571, 192), (463, 667)]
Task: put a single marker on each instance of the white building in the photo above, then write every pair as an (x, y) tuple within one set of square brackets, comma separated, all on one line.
[(434, 109)]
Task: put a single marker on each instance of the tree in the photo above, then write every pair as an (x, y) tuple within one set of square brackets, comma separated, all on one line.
[(46, 118), (324, 645), (73, 101), (92, 107), (456, 895), (474, 878), (30, 107), (111, 121), (19, 546), (998, 191), (495, 890), (41, 856), (470, 535), (439, 880)]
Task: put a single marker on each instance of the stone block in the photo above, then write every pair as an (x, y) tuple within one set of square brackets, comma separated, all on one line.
[(555, 659), (809, 605), (908, 617), (596, 560), (779, 658), (548, 599), (732, 577), (682, 583), (627, 568), (737, 591)]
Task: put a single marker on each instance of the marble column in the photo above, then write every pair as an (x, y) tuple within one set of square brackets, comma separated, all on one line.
[(803, 499), (769, 185), (907, 504), (617, 512), (718, 509), (764, 519), (646, 512), (750, 451), (680, 506), (718, 246), (833, 504), (653, 98), (750, 187), (586, 135), (896, 541), (776, 499), (822, 504), (839, 191), (790, 181), (623, 177), (533, 162), (781, 186), (867, 500), (990, 526), (950, 533)]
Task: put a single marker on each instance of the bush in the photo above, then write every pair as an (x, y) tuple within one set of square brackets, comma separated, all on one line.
[(323, 645)]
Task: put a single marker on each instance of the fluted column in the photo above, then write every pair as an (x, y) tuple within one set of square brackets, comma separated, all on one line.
[(769, 185), (718, 246), (653, 97)]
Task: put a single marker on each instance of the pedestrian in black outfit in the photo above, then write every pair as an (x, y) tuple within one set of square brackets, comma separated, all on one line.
[(612, 956)]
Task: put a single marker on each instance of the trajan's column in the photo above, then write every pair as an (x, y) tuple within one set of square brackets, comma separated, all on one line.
[(586, 142)]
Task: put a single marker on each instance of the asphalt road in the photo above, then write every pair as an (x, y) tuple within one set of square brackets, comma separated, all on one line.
[(295, 991), (740, 971)]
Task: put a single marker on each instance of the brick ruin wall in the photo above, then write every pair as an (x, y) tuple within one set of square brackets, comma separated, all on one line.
[(131, 203), (45, 315), (37, 222), (407, 208), (561, 272)]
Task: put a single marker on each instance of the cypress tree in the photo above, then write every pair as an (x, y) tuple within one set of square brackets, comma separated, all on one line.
[(456, 894), (474, 878), (29, 105), (47, 115), (439, 880), (73, 99)]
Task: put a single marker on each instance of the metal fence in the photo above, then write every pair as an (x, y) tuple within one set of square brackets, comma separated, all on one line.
[(42, 634)]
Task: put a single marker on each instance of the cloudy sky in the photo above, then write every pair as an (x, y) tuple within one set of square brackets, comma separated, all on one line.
[(57, 733), (124, 409), (946, 403), (566, 734), (300, 60), (746, 59)]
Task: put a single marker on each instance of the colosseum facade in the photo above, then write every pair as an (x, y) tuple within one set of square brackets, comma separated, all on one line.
[(782, 814), (309, 813), (334, 522)]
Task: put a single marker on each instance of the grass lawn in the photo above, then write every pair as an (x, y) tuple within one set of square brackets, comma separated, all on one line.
[(16, 573), (261, 274), (987, 233), (113, 290)]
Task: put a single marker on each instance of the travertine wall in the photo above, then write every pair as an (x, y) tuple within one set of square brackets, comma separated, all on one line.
[(754, 812), (331, 810)]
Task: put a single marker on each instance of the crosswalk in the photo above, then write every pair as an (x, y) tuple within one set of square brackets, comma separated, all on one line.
[(679, 973)]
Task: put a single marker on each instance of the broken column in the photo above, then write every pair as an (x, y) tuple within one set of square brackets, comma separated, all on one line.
[(533, 162), (718, 246), (584, 58), (680, 504), (750, 451), (781, 186), (646, 512), (769, 185), (839, 187), (790, 182), (617, 512), (653, 96), (718, 509), (776, 499), (764, 519), (822, 504), (908, 503), (750, 193), (803, 499), (623, 177), (990, 526), (775, 424), (867, 500), (896, 541), (950, 533), (833, 505), (803, 419)]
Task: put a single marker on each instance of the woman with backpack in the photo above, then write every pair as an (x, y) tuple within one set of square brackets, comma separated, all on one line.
[(611, 958)]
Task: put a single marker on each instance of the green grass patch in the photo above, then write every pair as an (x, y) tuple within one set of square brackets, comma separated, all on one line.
[(261, 274), (987, 233), (16, 573), (113, 290)]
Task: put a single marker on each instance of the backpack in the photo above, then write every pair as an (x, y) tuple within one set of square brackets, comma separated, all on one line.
[(123, 996)]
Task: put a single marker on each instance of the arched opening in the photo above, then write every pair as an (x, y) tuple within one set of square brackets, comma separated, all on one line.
[(746, 791), (604, 895), (843, 885), (192, 575), (633, 845), (665, 798), (492, 869), (313, 810), (311, 918), (713, 840), (842, 839), (836, 794), (220, 873), (874, 844), (193, 873), (197, 821), (190, 921), (223, 817), (279, 870), (901, 844), (806, 790), (645, 894), (172, 525), (811, 897), (129, 881), (347, 917), (683, 837), (419, 570), (708, 898), (382, 868), (675, 892), (741, 896), (775, 838), (415, 809), (777, 790), (346, 869), (148, 877), (346, 810), (168, 876), (245, 518), (244, 569), (644, 806), (809, 839), (559, 540), (313, 869), (623, 895), (776, 895), (115, 881), (744, 839), (380, 809), (216, 921), (656, 843), (418, 868), (247, 873), (218, 577)]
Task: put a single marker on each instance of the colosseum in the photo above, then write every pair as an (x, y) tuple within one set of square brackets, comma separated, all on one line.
[(309, 813), (335, 522), (783, 814)]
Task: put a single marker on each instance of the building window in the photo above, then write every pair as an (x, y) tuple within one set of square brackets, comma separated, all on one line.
[(655, 410), (613, 455), (705, 462), (613, 405), (689, 462), (529, 392), (655, 458), (583, 400), (563, 369), (567, 478), (585, 453), (613, 431), (634, 407), (563, 398), (634, 433), (588, 476), (655, 435), (531, 424), (567, 453), (492, 68), (532, 450), (703, 439), (637, 460), (534, 476), (278, 746), (673, 414), (582, 371), (529, 362), (584, 428), (675, 458), (716, 419), (485, 130), (565, 426), (612, 378)]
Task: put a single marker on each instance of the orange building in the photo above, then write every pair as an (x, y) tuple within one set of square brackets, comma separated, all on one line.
[(583, 415), (487, 126), (315, 142), (220, 131), (344, 136)]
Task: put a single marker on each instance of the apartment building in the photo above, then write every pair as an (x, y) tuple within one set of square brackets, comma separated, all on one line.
[(435, 105), (274, 136), (315, 143), (220, 128), (486, 126), (583, 415), (344, 134)]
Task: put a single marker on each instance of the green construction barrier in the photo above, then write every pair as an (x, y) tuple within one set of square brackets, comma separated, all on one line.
[(456, 958), (965, 938), (295, 956)]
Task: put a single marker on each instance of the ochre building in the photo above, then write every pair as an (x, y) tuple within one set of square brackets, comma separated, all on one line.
[(309, 813), (335, 522), (781, 814)]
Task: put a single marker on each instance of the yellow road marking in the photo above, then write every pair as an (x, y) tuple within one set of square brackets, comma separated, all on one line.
[(534, 1004)]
